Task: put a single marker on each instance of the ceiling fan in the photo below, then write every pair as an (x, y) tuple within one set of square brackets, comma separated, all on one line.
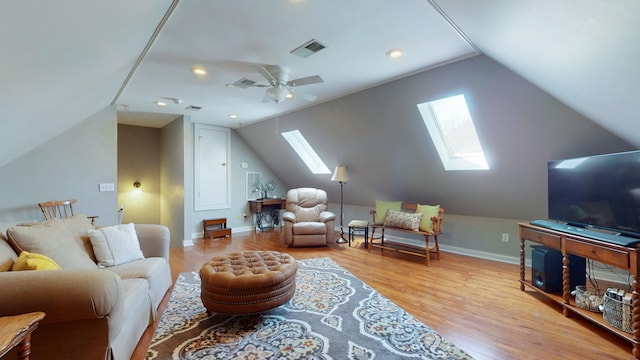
[(279, 87)]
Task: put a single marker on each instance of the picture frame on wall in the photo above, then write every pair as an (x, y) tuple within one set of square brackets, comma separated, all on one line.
[(254, 179)]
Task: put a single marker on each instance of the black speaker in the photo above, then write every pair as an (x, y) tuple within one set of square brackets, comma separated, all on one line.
[(546, 269)]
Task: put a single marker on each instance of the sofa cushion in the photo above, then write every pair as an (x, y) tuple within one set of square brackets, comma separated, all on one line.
[(155, 270), (309, 228), (31, 261), (79, 225), (53, 239), (403, 220), (428, 212), (382, 207), (114, 245), (7, 255)]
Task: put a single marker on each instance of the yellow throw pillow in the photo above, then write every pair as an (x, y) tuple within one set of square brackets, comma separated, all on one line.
[(428, 212), (382, 207), (31, 261)]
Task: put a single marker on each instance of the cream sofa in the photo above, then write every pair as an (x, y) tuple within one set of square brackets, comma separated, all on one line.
[(91, 312)]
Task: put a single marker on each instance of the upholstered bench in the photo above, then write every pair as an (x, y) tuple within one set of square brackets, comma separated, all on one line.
[(248, 282), (359, 227)]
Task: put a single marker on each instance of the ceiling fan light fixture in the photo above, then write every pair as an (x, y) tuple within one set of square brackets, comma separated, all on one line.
[(277, 93)]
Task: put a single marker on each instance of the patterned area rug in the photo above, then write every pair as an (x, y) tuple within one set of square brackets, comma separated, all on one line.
[(333, 315)]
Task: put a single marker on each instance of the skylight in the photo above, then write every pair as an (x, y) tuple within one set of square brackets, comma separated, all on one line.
[(451, 128), (306, 152)]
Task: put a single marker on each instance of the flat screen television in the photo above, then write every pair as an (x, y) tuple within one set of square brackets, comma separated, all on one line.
[(601, 192)]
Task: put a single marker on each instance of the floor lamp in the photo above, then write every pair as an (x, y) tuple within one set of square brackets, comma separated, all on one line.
[(340, 175)]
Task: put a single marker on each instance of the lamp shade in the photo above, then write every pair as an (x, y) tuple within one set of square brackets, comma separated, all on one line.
[(340, 174)]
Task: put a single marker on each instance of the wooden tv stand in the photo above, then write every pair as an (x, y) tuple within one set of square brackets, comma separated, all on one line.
[(619, 256)]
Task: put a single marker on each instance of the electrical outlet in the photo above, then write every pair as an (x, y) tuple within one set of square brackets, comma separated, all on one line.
[(505, 237)]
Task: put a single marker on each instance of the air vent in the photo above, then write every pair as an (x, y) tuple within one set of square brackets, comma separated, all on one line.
[(307, 49), (244, 83), (193, 108)]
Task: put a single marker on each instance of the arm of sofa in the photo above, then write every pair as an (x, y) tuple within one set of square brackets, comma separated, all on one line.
[(154, 240), (64, 295)]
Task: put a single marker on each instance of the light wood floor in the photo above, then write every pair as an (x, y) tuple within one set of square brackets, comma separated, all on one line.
[(477, 304)]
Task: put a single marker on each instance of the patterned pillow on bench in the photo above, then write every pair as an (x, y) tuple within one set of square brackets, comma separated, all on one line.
[(403, 220)]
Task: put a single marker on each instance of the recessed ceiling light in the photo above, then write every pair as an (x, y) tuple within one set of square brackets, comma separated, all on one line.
[(233, 116), (161, 103), (199, 70), (395, 53)]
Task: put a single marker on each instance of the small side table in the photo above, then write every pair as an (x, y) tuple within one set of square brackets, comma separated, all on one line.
[(16, 331), (359, 227), (269, 210)]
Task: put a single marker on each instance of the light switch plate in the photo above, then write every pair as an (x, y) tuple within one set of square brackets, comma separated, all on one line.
[(107, 187)]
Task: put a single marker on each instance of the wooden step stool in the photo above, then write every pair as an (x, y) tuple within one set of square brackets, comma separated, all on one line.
[(213, 228)]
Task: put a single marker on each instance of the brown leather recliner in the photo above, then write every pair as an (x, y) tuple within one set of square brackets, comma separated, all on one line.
[(307, 221)]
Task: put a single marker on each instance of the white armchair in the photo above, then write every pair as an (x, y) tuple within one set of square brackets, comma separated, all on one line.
[(307, 221)]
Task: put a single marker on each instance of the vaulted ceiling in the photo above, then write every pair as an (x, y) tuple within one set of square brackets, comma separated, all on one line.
[(64, 61)]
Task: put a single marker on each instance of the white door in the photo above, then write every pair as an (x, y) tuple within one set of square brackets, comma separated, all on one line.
[(212, 173)]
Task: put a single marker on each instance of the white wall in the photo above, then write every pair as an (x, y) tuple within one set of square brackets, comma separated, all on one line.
[(69, 166), (240, 153)]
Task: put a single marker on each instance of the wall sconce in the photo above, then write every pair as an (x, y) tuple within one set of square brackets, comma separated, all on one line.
[(136, 186)]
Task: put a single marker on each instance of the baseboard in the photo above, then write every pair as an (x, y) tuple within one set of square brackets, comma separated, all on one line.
[(200, 234), (605, 275)]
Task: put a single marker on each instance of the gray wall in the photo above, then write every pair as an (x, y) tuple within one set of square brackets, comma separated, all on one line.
[(380, 136), (69, 166), (240, 153), (172, 179)]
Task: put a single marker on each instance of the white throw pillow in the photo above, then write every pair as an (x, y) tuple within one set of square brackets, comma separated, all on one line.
[(114, 245)]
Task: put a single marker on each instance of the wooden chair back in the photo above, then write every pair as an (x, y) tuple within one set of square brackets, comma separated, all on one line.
[(57, 208)]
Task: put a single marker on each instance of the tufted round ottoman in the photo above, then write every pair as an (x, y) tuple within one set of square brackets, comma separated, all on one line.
[(248, 282)]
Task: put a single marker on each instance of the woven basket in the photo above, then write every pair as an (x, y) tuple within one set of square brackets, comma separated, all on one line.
[(588, 299), (617, 314)]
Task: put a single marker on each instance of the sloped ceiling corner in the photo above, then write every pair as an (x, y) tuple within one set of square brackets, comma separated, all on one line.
[(583, 52), (65, 61)]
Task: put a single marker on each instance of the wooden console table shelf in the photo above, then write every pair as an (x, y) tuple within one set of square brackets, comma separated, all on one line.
[(626, 258)]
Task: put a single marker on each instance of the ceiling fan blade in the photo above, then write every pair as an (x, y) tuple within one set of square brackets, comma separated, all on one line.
[(315, 79), (301, 94), (269, 72)]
